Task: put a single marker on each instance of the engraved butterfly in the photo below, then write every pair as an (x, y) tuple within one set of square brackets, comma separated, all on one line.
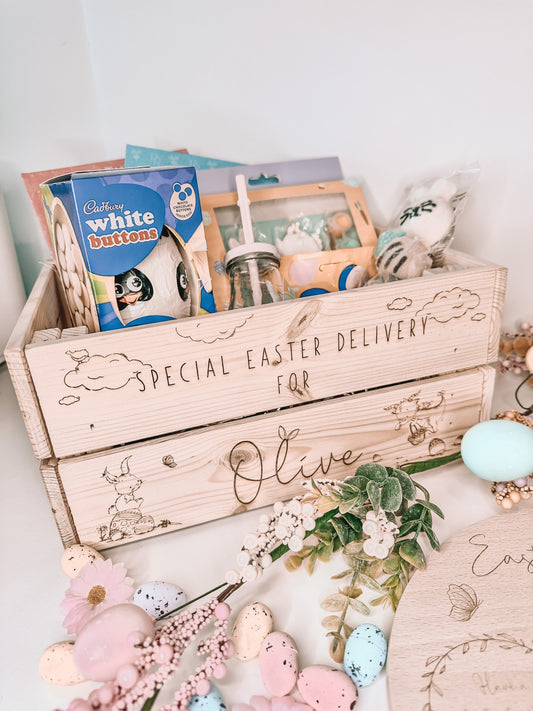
[(464, 602)]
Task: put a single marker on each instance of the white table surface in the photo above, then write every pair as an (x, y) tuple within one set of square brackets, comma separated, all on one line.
[(196, 559)]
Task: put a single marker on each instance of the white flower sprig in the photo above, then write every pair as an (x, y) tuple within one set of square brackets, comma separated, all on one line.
[(381, 534), (288, 526)]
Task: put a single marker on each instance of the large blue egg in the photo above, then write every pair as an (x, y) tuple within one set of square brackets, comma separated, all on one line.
[(498, 450), (365, 654)]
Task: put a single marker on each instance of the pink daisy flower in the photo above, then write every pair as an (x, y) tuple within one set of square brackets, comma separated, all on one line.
[(98, 586)]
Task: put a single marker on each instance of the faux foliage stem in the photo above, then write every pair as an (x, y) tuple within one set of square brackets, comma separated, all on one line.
[(347, 603)]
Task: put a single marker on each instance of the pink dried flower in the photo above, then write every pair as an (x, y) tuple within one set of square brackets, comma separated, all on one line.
[(98, 586)]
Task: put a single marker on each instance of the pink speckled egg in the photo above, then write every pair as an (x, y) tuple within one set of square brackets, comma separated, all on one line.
[(278, 663), (327, 689), (107, 642), (253, 623), (76, 556), (56, 665)]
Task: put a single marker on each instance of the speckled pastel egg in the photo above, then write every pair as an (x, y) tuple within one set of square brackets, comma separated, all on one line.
[(278, 663), (110, 640), (498, 450), (56, 665), (212, 701), (365, 654), (254, 622), (76, 556), (157, 598), (327, 689)]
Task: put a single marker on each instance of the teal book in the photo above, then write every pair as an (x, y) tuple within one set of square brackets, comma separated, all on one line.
[(140, 157)]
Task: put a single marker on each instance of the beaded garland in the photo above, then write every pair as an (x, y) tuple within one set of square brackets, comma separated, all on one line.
[(509, 493), (136, 683), (516, 356)]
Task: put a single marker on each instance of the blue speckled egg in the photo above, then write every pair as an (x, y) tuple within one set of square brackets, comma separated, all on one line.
[(498, 450), (212, 701), (157, 598), (365, 654)]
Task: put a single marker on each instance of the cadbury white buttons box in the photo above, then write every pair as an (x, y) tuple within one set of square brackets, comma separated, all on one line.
[(129, 245)]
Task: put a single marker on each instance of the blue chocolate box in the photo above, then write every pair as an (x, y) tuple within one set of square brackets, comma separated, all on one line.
[(129, 245)]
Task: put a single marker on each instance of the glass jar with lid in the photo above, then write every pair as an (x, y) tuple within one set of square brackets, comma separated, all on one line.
[(255, 279)]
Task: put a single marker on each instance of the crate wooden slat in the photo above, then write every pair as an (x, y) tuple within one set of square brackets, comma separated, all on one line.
[(127, 493), (112, 388), (43, 310)]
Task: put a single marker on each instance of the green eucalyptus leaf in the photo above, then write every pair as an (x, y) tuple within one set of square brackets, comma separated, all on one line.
[(344, 531), (430, 506), (347, 505), (331, 622), (409, 527), (348, 491), (334, 603), (337, 545), (369, 582), (373, 568), (391, 582), (353, 549), (408, 488), (381, 600), (324, 552), (344, 574), (432, 538), (351, 592), (360, 607), (323, 535), (391, 495), (311, 561), (391, 564), (355, 523), (359, 482), (336, 650), (413, 513), (293, 562), (376, 472), (374, 494), (411, 552), (406, 568)]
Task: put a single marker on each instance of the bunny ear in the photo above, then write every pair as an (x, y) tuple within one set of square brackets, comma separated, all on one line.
[(111, 478), (124, 465), (443, 188)]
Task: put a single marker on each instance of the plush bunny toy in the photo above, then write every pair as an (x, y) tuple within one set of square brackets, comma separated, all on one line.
[(429, 213)]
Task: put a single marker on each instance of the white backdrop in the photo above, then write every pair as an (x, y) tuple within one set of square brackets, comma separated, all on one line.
[(398, 90)]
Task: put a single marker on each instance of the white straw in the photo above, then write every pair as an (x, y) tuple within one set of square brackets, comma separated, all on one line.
[(243, 201)]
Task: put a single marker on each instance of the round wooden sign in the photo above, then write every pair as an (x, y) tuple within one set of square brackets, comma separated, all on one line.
[(462, 637)]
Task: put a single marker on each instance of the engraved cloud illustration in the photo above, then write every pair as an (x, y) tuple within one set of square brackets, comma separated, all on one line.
[(447, 305), (104, 372)]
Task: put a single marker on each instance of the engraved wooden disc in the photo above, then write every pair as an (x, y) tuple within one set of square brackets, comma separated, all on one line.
[(462, 638)]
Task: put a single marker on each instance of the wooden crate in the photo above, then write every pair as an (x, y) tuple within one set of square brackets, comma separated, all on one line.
[(125, 493), (349, 374)]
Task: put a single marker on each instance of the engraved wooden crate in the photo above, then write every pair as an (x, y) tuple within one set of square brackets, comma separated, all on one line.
[(254, 388), (125, 493)]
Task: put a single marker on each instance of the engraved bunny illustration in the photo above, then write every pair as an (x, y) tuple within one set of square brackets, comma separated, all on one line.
[(420, 416), (128, 519)]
